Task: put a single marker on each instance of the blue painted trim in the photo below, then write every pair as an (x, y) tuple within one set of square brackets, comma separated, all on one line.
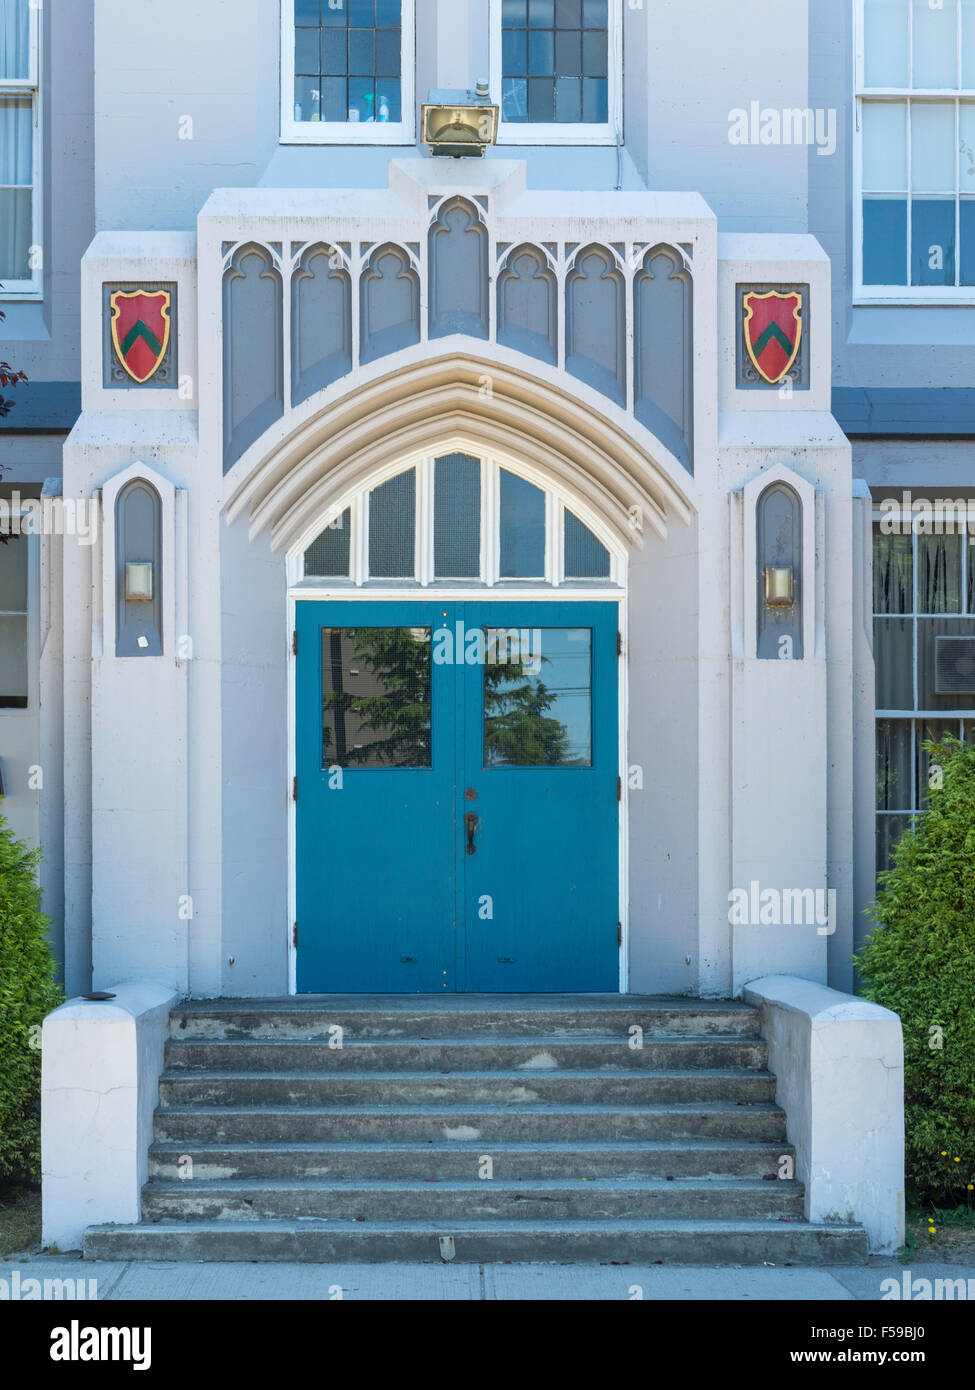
[(890, 410), (42, 407)]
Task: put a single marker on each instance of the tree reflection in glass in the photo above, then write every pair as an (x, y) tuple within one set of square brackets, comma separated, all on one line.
[(376, 697)]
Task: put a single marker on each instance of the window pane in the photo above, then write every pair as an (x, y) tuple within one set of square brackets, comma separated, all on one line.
[(538, 697), (935, 44), (376, 697), (595, 14), (884, 146), (933, 147), (585, 556), (14, 38), (933, 241), (13, 661), (514, 99), (328, 555), (307, 52), (514, 52), (930, 731), (889, 831), (308, 98), (457, 517), (522, 528), (928, 630), (595, 55), (968, 43), (541, 99), (568, 99), (568, 14), (885, 241), (939, 574), (16, 224), (894, 770), (893, 654), (568, 53), (595, 99), (392, 528), (541, 53), (893, 572), (541, 13), (885, 43), (13, 575)]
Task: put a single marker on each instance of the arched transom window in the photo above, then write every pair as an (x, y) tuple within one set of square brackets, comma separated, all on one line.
[(458, 519)]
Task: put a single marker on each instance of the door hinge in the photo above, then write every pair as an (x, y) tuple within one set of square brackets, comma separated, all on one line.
[(619, 789), (294, 642), (619, 644), (619, 933), (294, 790), (294, 936)]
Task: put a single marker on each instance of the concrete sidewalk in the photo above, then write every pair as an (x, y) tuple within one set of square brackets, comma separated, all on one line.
[(516, 1282)]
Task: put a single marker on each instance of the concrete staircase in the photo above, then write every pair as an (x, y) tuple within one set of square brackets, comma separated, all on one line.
[(272, 1144)]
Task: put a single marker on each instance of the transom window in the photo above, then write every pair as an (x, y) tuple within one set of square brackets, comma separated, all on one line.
[(348, 71), (924, 651), (557, 67), (916, 149), (457, 519), (20, 204)]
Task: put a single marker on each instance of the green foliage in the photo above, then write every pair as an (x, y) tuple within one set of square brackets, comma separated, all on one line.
[(27, 993), (921, 964)]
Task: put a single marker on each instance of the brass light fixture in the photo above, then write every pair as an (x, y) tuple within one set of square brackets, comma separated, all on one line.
[(780, 586), (459, 124)]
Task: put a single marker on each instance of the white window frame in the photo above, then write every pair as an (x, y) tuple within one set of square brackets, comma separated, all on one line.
[(904, 294), (558, 132), (29, 86), (349, 132), (424, 576)]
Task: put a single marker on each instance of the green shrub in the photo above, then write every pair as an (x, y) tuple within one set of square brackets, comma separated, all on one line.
[(27, 993), (920, 962)]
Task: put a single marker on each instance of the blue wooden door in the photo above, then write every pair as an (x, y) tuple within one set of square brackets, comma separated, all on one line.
[(457, 809)]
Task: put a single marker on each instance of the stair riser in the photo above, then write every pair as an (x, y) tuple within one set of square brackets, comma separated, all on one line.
[(557, 1127), (776, 1200), (375, 1163), (460, 1089), (488, 1056), (793, 1243), (186, 1024)]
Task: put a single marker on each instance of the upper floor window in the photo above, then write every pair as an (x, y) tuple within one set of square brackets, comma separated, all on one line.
[(556, 70), (347, 70), (20, 202), (916, 150)]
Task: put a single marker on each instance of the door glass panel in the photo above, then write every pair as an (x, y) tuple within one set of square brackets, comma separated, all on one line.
[(538, 697), (376, 697), (328, 555), (392, 528), (585, 556), (522, 528), (457, 517)]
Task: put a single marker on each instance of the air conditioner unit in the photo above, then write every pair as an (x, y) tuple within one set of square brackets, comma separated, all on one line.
[(954, 665)]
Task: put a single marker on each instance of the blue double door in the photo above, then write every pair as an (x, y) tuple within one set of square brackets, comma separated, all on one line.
[(457, 797)]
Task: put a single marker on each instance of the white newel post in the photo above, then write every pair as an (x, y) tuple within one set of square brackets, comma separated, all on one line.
[(100, 1069)]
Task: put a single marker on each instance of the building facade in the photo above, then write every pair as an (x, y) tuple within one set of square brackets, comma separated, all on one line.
[(455, 574)]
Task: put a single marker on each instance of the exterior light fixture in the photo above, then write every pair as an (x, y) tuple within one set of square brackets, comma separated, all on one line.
[(138, 581), (459, 124), (780, 587)]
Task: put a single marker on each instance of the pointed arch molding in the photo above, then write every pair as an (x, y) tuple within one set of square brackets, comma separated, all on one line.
[(483, 407)]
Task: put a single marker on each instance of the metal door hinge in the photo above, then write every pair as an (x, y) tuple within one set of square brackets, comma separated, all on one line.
[(294, 936), (619, 644), (294, 790), (294, 642), (619, 933), (619, 789)]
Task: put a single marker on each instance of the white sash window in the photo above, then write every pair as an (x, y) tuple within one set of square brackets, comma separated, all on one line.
[(20, 202)]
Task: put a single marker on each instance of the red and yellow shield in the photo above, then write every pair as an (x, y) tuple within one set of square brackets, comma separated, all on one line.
[(140, 330), (773, 331)]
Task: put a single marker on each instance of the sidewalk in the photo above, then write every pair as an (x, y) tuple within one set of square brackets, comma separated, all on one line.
[(298, 1282)]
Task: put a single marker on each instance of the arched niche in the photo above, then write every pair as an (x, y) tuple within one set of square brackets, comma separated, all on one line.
[(458, 260), (389, 303), (528, 304), (663, 345), (321, 321), (595, 324), (139, 575), (253, 351)]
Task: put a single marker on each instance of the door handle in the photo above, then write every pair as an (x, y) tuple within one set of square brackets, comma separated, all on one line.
[(471, 823)]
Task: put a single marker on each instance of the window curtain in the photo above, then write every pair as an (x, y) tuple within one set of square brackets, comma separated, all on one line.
[(14, 39), (16, 222)]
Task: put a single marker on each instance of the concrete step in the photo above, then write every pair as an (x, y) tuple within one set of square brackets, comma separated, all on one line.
[(701, 1158), (673, 1242), (418, 1017), (477, 1123), (464, 1054), (597, 1199), (626, 1086)]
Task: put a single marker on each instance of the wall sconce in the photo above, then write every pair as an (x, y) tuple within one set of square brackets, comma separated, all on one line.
[(459, 124), (780, 588), (138, 581)]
